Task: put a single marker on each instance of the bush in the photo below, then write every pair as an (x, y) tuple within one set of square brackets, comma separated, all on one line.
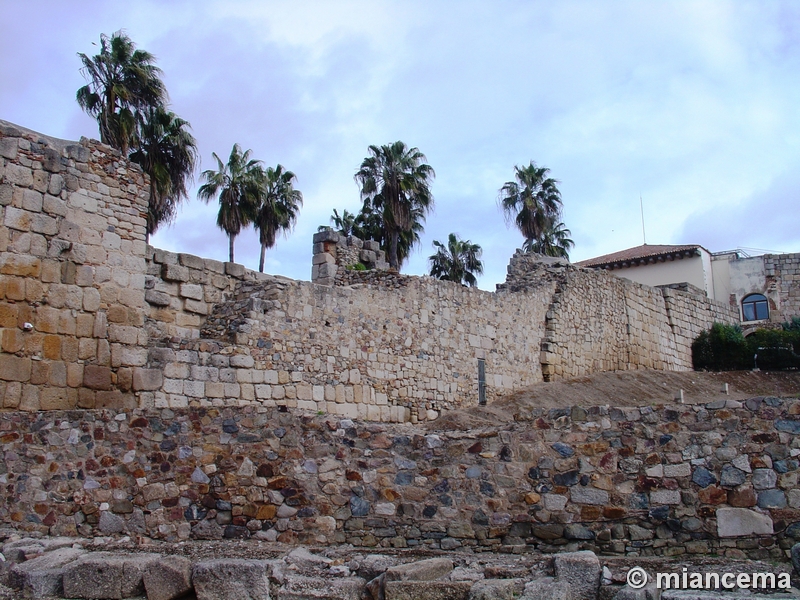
[(724, 348), (359, 266)]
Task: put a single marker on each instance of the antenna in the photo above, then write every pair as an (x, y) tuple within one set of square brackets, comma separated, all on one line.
[(641, 207)]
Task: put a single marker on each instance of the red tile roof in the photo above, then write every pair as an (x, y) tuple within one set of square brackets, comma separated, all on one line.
[(639, 253)]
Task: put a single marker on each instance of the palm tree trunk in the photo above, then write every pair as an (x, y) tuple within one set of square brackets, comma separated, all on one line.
[(261, 261), (393, 238), (230, 247)]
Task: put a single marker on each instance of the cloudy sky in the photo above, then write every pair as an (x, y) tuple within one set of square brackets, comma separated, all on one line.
[(694, 106)]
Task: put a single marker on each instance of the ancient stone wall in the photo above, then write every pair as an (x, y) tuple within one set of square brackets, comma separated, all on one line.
[(397, 349), (71, 273), (662, 480), (784, 271), (92, 317)]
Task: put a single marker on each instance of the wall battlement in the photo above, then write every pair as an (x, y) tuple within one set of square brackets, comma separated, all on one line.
[(91, 317)]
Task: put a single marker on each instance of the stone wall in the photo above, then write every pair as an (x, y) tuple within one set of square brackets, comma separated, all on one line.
[(71, 273), (599, 322), (662, 480), (91, 317), (784, 271)]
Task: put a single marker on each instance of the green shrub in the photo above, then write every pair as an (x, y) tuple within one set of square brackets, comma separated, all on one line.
[(359, 266), (724, 348)]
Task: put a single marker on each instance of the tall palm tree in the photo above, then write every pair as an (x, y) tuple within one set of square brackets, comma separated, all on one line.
[(459, 261), (395, 181), (238, 183), (167, 152), (554, 241), (532, 201), (122, 80), (277, 208)]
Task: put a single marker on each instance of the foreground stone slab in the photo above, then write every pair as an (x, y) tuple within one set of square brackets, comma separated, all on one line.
[(43, 576), (735, 522), (649, 592), (546, 588), (582, 571), (311, 588), (497, 589), (105, 575), (421, 570), (224, 579), (737, 595), (169, 578), (427, 590)]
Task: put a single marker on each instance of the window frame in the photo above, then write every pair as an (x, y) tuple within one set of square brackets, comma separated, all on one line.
[(754, 302)]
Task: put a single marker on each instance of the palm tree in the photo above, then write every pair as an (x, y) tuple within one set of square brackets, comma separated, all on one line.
[(555, 241), (459, 261), (395, 181), (239, 185), (167, 152), (277, 209), (344, 224), (122, 80), (532, 202)]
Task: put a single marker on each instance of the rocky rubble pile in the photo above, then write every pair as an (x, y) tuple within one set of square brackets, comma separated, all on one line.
[(64, 568)]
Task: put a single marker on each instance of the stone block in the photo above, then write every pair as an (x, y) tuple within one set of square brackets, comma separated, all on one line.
[(736, 522), (546, 588), (234, 270), (170, 272), (104, 575), (191, 290), (42, 576), (327, 235), (497, 589), (15, 368), (421, 570), (147, 379), (223, 579), (192, 261), (168, 579), (297, 587), (665, 497), (97, 377), (427, 590), (587, 495), (581, 570), (156, 298)]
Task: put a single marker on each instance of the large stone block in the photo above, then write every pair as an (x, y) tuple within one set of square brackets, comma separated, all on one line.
[(147, 379), (735, 522), (421, 570), (327, 588), (427, 590), (223, 579), (43, 576), (169, 578), (14, 368), (581, 570), (104, 575), (546, 588)]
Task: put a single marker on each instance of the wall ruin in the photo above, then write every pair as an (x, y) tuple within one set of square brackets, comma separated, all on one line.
[(91, 317)]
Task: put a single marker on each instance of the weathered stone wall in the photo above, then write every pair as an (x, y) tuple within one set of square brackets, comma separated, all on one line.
[(71, 273), (92, 317), (599, 322), (401, 349), (784, 270), (662, 480)]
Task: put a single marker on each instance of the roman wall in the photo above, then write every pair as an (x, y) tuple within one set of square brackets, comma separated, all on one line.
[(92, 317), (719, 478)]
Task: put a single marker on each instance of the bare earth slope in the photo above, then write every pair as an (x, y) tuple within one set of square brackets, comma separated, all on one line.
[(626, 388)]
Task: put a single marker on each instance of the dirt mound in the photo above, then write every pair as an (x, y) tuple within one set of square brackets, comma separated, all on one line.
[(625, 388)]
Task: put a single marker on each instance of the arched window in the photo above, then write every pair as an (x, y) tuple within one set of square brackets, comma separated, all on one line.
[(755, 308)]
